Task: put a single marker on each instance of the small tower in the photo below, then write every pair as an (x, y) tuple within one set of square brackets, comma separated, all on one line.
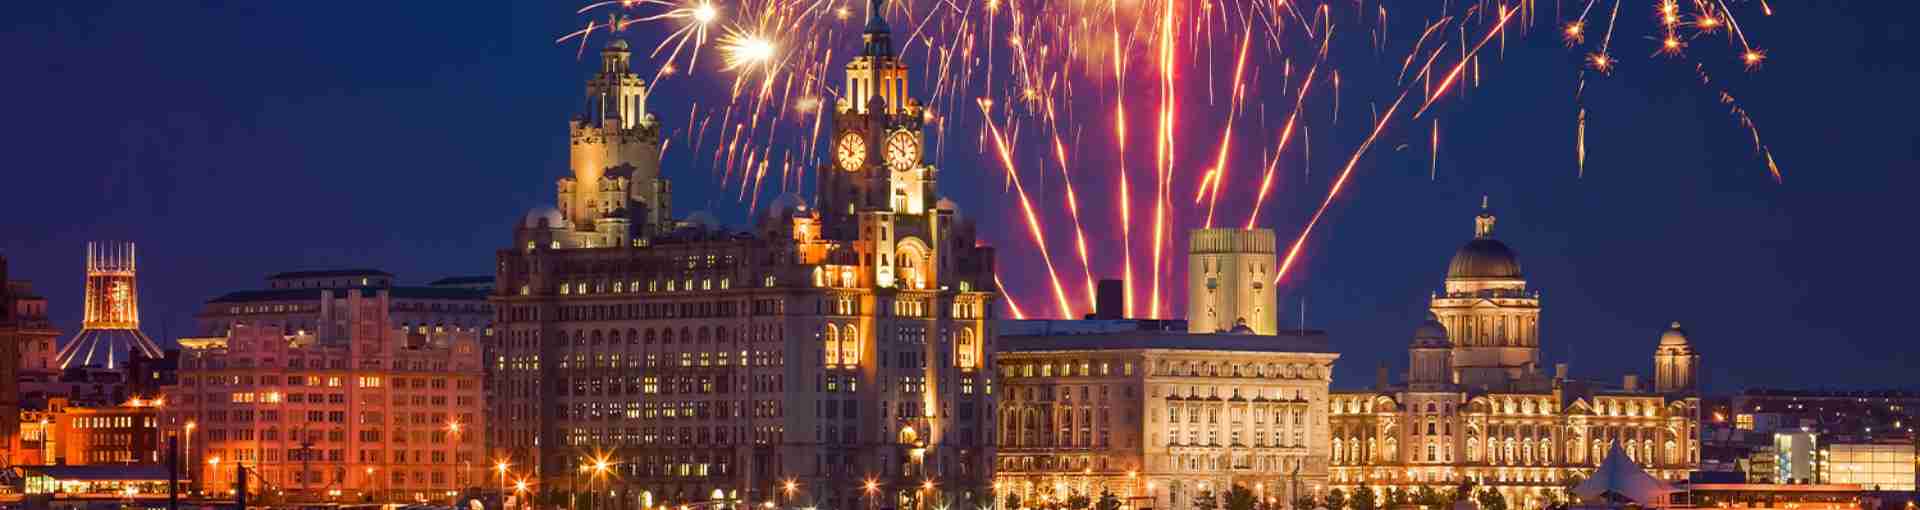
[(1430, 366), (110, 330), (1228, 272), (615, 155), (1675, 365)]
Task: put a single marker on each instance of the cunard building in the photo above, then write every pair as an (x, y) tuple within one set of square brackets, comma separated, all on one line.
[(831, 352), (1476, 407)]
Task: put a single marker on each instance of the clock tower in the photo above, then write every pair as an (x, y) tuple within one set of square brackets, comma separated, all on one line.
[(877, 163)]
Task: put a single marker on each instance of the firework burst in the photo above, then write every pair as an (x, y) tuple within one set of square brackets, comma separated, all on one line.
[(1141, 74)]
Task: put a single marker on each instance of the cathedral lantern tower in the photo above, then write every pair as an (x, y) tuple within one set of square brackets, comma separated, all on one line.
[(110, 330), (1490, 314), (615, 154), (1675, 364), (1228, 275)]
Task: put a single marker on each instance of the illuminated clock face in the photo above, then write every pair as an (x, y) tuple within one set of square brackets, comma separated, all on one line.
[(852, 152), (903, 151)]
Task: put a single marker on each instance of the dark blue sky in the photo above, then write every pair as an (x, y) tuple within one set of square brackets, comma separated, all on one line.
[(236, 139)]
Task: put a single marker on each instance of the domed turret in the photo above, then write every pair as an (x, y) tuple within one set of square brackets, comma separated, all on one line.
[(786, 205), (544, 217), (1675, 336), (1430, 358), (1431, 334)]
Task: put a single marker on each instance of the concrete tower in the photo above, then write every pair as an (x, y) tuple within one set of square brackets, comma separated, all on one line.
[(111, 328), (1490, 314), (615, 153), (1228, 272), (1675, 365)]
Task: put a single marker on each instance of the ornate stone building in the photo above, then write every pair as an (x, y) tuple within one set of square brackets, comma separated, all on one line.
[(1158, 418), (1474, 405), (1228, 274), (658, 360)]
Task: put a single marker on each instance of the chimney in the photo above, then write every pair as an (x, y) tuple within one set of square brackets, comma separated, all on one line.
[(1380, 377), (1559, 370), (1110, 300), (1630, 382)]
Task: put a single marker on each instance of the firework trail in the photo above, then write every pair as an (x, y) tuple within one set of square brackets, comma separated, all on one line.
[(1042, 69)]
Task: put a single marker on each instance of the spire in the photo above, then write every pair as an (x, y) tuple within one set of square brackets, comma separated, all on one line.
[(878, 38), (1483, 224)]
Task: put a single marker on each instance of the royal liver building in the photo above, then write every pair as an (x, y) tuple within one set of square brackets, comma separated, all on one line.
[(645, 358), (1475, 405)]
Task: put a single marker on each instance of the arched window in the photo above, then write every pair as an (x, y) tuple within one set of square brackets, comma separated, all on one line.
[(850, 346), (666, 336), (830, 348), (965, 345)]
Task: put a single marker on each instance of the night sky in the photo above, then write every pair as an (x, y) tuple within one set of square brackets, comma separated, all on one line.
[(232, 140)]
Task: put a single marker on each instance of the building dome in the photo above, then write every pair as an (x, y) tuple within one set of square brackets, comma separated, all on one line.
[(617, 44), (1431, 333), (1675, 336), (549, 216), (786, 205), (1484, 258), (702, 220)]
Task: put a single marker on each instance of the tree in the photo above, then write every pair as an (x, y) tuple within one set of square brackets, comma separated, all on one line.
[(1464, 490), (1567, 484), (1336, 500), (1426, 496), (1363, 499), (1490, 499), (1108, 501), (1205, 501), (1079, 501), (1304, 502), (1239, 498), (1396, 497), (1013, 501)]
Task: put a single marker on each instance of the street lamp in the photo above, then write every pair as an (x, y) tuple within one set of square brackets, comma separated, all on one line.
[(215, 462), (501, 467), (788, 488), (873, 489), (372, 484)]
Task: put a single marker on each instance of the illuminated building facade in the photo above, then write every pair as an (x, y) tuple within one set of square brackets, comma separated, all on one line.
[(26, 345), (331, 304), (1228, 271), (1159, 418), (1474, 405), (110, 331), (386, 413), (825, 347)]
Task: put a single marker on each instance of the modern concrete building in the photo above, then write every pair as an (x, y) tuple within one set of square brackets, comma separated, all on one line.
[(1880, 466), (659, 359), (387, 413), (1475, 406)]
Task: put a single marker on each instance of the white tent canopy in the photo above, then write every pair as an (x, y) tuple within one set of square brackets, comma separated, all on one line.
[(1620, 476)]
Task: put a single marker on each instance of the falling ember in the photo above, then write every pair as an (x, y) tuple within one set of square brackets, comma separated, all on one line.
[(1580, 143), (1600, 62), (1575, 33), (1707, 24), (1671, 46), (1753, 58), (705, 13)]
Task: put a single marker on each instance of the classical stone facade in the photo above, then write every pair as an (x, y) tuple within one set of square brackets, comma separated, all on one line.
[(819, 349), (1159, 417), (1475, 407)]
